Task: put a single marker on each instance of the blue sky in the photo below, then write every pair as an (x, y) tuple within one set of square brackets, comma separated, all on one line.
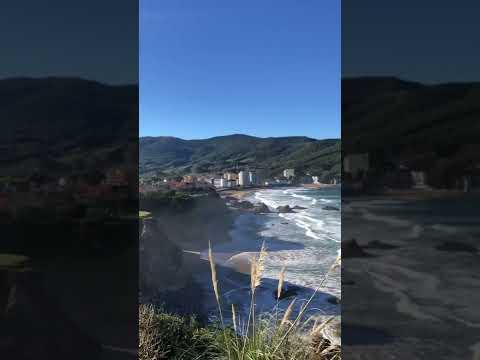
[(264, 68)]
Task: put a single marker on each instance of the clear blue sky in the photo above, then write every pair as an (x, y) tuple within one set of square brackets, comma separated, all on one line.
[(258, 67)]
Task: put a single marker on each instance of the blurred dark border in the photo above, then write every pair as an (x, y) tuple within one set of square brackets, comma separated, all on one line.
[(410, 180), (69, 180)]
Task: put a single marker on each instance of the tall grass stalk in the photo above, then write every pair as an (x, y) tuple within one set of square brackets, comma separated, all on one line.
[(213, 270), (281, 279), (257, 266)]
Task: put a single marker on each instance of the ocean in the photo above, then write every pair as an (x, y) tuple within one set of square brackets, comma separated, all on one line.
[(313, 232), (305, 242)]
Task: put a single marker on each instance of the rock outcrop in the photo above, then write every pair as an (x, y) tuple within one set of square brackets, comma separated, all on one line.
[(351, 249), (261, 208), (289, 290), (330, 208), (333, 300), (285, 209), (296, 207), (245, 205)]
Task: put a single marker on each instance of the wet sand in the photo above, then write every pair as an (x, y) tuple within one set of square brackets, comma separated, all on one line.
[(239, 194)]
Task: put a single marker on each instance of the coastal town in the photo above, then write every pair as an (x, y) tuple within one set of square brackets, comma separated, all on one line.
[(229, 180)]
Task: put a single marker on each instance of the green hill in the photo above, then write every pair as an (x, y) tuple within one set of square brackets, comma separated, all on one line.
[(177, 156)]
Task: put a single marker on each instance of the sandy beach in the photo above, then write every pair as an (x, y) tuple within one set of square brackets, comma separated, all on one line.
[(317, 186), (239, 194), (241, 262)]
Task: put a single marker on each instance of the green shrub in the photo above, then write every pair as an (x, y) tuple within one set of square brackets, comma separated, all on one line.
[(172, 200), (167, 336)]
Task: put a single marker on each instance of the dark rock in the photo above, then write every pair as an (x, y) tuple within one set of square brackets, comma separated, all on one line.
[(285, 209), (330, 208), (296, 207), (285, 223), (287, 291), (347, 282), (261, 208), (350, 249), (333, 300), (376, 244), (245, 205), (452, 246)]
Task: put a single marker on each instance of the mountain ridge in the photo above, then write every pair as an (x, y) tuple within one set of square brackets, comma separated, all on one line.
[(166, 154)]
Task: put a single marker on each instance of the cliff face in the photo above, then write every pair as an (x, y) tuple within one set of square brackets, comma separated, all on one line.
[(207, 220), (166, 272), (160, 260)]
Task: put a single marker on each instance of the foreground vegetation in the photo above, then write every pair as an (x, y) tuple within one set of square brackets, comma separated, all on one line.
[(276, 336)]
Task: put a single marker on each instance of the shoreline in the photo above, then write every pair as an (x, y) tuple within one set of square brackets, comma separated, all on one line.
[(232, 258), (318, 185), (239, 194)]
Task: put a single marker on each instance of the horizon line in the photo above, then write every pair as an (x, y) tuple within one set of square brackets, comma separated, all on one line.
[(240, 134)]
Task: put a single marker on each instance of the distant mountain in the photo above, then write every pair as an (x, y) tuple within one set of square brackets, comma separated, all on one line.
[(218, 154), (62, 124)]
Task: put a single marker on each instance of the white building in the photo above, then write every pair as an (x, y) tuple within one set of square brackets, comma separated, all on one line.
[(231, 183), (315, 179), (230, 176), (219, 183), (289, 173), (243, 178), (252, 178), (223, 183)]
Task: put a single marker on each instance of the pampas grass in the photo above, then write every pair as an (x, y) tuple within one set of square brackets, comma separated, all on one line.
[(213, 271), (281, 279), (257, 267), (234, 318), (288, 312)]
